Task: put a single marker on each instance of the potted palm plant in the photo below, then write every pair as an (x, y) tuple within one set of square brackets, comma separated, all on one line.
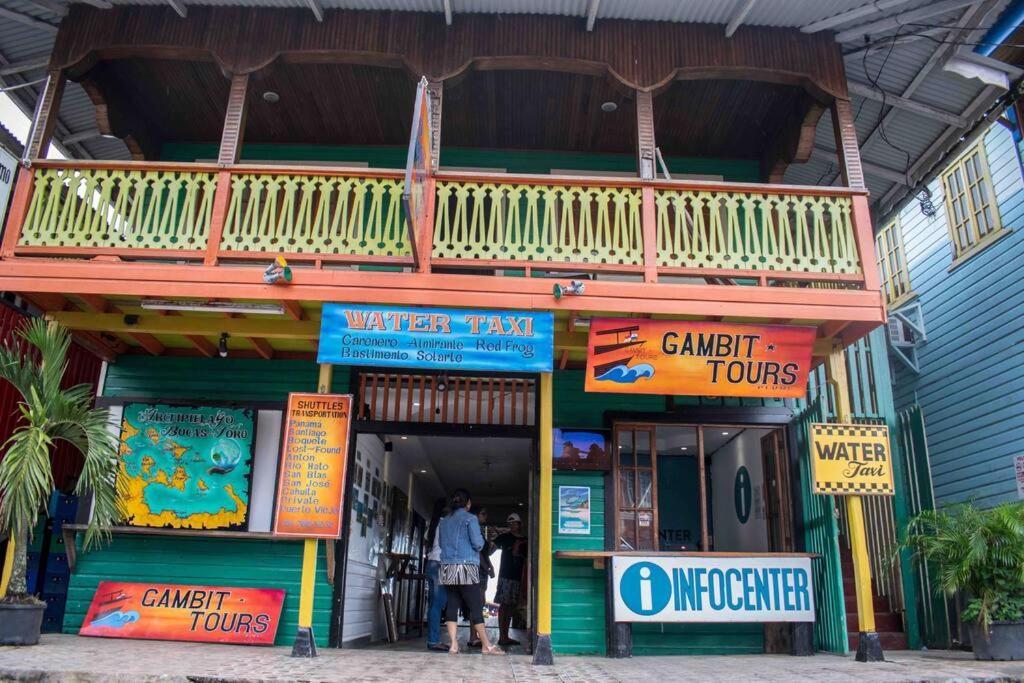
[(979, 553), (33, 362)]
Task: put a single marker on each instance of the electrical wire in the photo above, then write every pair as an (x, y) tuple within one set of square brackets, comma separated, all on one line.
[(19, 86)]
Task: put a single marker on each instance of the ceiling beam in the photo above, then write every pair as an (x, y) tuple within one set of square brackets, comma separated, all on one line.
[(25, 65), (870, 92), (51, 6), (936, 58), (99, 305), (294, 310), (27, 20), (448, 12), (848, 16), (742, 10), (897, 20), (890, 174), (592, 8), (885, 43), (99, 4), (317, 9), (179, 7), (931, 156), (262, 347)]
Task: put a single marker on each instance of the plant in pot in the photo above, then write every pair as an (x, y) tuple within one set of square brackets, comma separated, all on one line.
[(979, 553), (33, 361)]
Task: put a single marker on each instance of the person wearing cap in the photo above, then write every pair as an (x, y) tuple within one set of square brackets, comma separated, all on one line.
[(514, 549)]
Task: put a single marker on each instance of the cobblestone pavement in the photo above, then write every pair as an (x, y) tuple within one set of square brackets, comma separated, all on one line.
[(74, 659)]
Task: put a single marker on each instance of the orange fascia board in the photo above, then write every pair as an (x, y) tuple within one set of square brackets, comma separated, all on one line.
[(197, 281)]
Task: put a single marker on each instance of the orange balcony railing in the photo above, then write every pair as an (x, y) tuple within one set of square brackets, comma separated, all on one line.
[(734, 233)]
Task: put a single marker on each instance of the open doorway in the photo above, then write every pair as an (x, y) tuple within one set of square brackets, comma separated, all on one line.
[(400, 481)]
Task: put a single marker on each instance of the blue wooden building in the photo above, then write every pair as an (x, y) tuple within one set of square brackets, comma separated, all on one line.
[(949, 259)]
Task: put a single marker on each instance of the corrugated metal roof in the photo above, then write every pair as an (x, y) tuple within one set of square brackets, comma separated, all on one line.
[(892, 69)]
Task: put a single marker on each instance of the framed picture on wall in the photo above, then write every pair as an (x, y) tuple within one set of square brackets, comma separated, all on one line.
[(186, 467), (581, 449)]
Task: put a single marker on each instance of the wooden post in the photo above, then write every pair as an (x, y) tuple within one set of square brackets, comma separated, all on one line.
[(234, 121), (863, 233), (702, 495), (5, 576), (645, 144), (869, 647), (20, 201), (305, 642), (44, 120), (218, 217), (847, 148), (542, 652)]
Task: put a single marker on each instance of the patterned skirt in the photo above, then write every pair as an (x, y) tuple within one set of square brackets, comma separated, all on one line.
[(459, 574)]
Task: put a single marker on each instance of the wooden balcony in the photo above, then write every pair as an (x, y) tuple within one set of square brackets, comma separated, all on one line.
[(706, 249)]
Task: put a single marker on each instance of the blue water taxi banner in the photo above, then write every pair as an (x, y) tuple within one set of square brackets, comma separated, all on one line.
[(436, 338)]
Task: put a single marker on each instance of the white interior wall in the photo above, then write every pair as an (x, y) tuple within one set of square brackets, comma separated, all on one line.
[(731, 534)]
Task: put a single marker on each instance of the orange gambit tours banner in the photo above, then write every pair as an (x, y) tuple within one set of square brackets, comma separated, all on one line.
[(698, 358), (164, 611), (311, 477)]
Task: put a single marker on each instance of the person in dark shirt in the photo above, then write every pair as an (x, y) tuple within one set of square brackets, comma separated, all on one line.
[(486, 570), (514, 549)]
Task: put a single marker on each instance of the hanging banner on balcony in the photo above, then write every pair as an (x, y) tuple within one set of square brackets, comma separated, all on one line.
[(203, 614), (697, 358), (311, 478), (418, 166), (851, 459), (436, 338)]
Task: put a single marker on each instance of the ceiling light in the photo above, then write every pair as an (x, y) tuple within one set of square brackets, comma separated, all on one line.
[(404, 438), (416, 405), (222, 345), (609, 107), (423, 471), (211, 307), (682, 448), (271, 97), (725, 433)]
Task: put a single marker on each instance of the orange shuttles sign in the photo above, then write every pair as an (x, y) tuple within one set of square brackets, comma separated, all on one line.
[(164, 611), (311, 476), (698, 358)]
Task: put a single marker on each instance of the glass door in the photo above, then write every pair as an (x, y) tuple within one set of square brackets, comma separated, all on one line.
[(637, 498)]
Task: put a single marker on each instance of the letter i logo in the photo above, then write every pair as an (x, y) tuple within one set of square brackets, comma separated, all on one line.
[(645, 588), (646, 599)]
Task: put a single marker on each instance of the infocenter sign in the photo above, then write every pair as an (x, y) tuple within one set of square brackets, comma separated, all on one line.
[(713, 589), (436, 338)]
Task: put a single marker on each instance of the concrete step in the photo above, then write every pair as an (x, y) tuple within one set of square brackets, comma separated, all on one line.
[(890, 641), (884, 621)]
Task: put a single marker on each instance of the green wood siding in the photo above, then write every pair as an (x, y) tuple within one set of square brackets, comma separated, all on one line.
[(225, 562), (577, 589), (513, 161), (204, 561), (698, 639)]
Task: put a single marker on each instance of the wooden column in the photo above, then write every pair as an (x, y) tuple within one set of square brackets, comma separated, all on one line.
[(44, 120), (545, 550), (847, 148), (869, 648), (234, 121), (305, 642), (435, 93), (645, 156)]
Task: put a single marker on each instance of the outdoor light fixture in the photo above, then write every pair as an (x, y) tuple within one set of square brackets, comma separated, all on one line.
[(271, 97), (574, 288), (609, 107), (212, 307), (442, 382), (277, 272), (924, 200), (222, 345)]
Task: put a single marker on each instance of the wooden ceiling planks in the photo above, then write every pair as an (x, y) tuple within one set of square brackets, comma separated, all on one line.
[(639, 54)]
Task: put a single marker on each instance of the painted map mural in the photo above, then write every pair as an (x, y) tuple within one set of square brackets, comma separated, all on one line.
[(186, 466)]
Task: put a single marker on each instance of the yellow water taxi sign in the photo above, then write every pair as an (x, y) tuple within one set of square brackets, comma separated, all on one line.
[(851, 459)]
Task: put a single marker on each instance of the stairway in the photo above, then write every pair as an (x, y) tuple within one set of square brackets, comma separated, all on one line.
[(888, 624)]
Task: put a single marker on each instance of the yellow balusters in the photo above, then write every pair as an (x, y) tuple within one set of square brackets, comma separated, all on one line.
[(755, 231), (109, 208), (539, 223)]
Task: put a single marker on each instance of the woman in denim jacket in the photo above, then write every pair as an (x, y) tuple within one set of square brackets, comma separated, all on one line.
[(461, 542)]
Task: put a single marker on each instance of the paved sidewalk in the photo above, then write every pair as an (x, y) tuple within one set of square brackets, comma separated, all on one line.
[(74, 659)]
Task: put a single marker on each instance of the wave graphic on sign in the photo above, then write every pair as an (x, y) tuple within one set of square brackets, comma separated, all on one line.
[(116, 619), (625, 374)]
